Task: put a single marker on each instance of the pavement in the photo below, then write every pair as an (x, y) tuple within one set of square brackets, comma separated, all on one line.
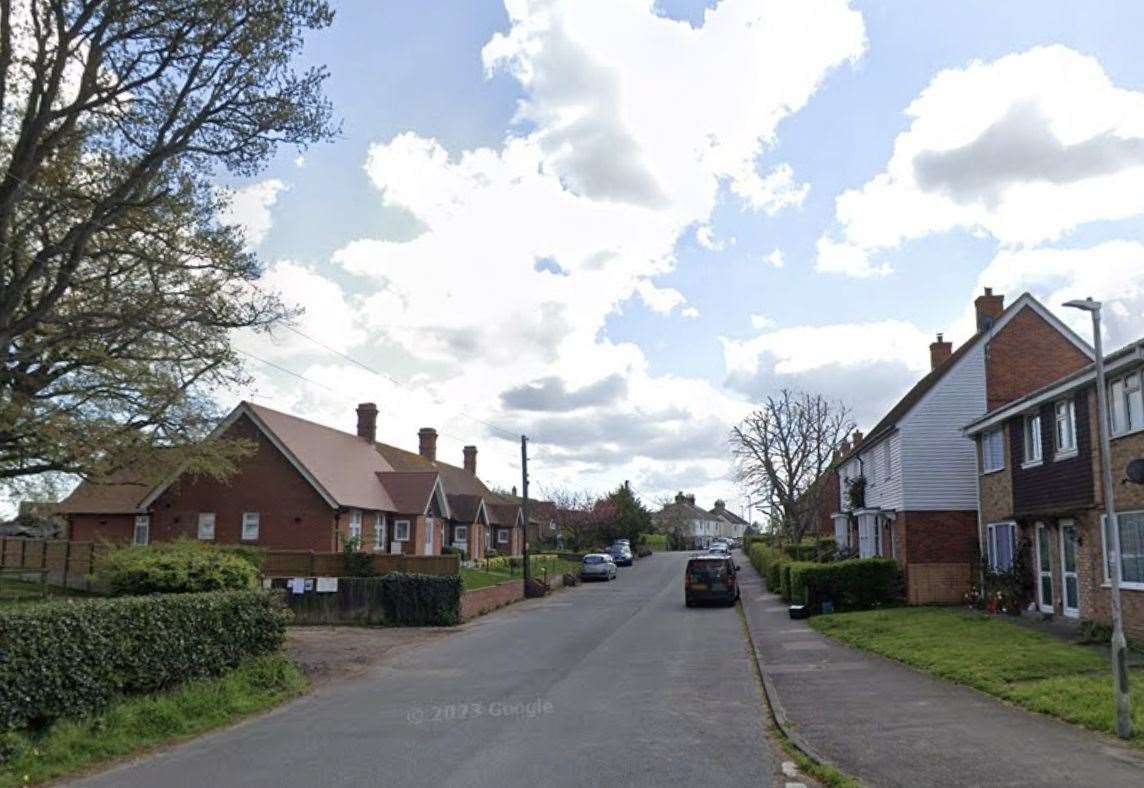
[(607, 683), (890, 725)]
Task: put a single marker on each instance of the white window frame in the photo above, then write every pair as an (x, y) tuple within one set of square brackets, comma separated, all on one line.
[(1064, 428), (991, 544), (1041, 557), (1126, 404), (1033, 440), (461, 534), (987, 451), (502, 536), (869, 536), (355, 526), (206, 531), (401, 530), (430, 527), (142, 521), (379, 532), (1129, 585), (250, 525)]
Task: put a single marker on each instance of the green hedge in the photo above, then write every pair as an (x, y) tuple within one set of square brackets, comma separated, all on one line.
[(856, 584), (784, 580), (72, 658), (181, 567), (811, 550), (420, 600), (768, 562)]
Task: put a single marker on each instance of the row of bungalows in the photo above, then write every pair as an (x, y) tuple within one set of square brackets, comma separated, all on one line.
[(306, 486)]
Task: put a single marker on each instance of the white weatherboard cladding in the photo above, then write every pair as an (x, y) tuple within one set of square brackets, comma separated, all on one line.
[(939, 465), (884, 491)]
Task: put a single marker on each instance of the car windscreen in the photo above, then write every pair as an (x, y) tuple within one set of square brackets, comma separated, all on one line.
[(593, 559)]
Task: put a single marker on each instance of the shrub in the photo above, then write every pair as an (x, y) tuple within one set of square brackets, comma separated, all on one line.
[(768, 563), (643, 552), (181, 567), (72, 658), (358, 563), (857, 584), (460, 552), (420, 600), (655, 541), (784, 580), (820, 550)]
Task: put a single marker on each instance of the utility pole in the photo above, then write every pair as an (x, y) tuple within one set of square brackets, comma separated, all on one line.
[(1112, 529), (524, 508)]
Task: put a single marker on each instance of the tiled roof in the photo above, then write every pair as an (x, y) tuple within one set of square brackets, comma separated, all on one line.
[(463, 508), (409, 491), (502, 513), (120, 493)]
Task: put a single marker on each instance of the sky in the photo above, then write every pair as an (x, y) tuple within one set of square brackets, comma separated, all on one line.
[(617, 225)]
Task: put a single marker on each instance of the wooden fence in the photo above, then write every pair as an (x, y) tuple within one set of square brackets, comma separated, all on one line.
[(67, 564), (303, 563)]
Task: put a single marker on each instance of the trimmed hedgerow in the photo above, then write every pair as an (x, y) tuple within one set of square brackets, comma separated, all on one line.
[(784, 581), (72, 658), (420, 600), (768, 563), (181, 567), (856, 584)]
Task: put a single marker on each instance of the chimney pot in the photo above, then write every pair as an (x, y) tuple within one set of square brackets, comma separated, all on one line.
[(427, 443), (367, 421), (988, 307), (471, 459), (857, 438), (939, 351)]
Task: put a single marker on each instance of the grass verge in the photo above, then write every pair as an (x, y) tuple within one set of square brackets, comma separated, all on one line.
[(823, 772), (134, 725), (1031, 669)]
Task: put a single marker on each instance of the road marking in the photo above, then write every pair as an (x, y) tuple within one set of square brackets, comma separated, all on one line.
[(789, 769)]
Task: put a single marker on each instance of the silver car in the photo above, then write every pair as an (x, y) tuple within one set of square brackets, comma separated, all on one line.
[(597, 566)]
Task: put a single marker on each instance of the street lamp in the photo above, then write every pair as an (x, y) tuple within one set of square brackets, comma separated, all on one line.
[(1119, 646)]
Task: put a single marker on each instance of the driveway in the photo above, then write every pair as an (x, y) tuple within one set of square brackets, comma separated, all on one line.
[(607, 683)]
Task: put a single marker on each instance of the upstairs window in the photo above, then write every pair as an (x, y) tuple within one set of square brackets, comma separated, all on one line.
[(250, 521), (992, 451), (1126, 404), (1065, 413), (1033, 439)]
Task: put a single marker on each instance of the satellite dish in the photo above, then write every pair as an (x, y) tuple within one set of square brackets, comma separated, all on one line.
[(1135, 471)]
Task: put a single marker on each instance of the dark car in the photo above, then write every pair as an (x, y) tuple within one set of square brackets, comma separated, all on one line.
[(711, 578), (622, 554)]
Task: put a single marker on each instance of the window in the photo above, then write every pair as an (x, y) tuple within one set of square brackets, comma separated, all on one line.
[(250, 526), (502, 536), (886, 460), (1002, 540), (993, 451), (868, 542), (142, 529), (206, 526), (379, 533), (430, 527), (1065, 413), (401, 531), (355, 528), (461, 534), (1126, 404), (1131, 549), (1032, 439)]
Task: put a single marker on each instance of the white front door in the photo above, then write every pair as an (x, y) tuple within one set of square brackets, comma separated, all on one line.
[(1070, 586), (430, 527), (1044, 570)]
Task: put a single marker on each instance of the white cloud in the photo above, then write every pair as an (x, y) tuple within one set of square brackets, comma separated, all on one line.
[(689, 311), (760, 322), (1024, 149), (705, 237), (775, 259), (299, 161), (769, 194), (250, 206)]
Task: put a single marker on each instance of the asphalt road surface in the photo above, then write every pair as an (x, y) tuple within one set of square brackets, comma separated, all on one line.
[(609, 683)]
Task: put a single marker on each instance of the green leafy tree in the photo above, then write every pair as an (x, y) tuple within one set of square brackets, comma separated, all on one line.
[(631, 519), (120, 289)]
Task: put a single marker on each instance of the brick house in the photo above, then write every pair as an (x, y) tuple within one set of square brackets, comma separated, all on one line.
[(1040, 486), (908, 489), (305, 487)]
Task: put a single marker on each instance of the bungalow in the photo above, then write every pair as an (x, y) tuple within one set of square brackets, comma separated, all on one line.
[(1041, 491), (908, 490), (305, 487)]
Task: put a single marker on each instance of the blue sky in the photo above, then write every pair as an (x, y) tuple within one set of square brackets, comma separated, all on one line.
[(478, 139)]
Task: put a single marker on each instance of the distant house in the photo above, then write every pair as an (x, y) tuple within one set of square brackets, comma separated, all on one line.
[(696, 525), (729, 523), (307, 487), (908, 489), (1040, 486)]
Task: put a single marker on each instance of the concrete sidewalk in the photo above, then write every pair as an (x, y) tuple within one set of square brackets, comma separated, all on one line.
[(890, 725)]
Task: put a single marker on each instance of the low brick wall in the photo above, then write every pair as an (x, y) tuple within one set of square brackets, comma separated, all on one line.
[(937, 584), (482, 600)]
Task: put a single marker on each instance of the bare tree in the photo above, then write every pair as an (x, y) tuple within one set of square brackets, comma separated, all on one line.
[(120, 289), (783, 448), (580, 516)]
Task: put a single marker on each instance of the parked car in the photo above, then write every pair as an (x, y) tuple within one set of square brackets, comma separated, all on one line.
[(720, 548), (710, 578), (622, 554), (597, 566)]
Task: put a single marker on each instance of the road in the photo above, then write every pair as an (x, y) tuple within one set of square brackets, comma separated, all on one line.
[(609, 683)]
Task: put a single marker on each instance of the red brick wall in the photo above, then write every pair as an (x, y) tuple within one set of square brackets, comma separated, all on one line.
[(939, 537), (482, 600), (102, 527), (292, 514), (1025, 355)]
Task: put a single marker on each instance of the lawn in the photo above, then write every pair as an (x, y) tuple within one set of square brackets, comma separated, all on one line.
[(474, 577), (134, 725), (1031, 669)]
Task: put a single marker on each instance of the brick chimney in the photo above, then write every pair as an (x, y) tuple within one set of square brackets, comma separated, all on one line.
[(720, 507), (471, 459), (427, 443), (680, 497), (989, 307), (857, 438), (939, 351), (367, 421)]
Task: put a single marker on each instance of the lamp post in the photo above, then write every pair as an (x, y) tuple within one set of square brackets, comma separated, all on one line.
[(1119, 646)]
